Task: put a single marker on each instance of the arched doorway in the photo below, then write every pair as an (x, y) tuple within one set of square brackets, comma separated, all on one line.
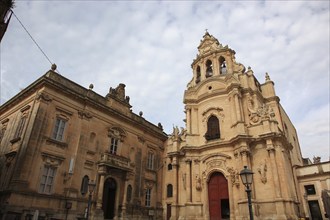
[(109, 198), (218, 197)]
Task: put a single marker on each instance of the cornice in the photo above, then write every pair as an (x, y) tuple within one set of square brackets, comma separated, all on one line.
[(210, 53), (71, 89), (217, 144), (214, 93)]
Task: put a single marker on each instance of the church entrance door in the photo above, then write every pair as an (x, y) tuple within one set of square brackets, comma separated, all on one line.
[(218, 197), (109, 198)]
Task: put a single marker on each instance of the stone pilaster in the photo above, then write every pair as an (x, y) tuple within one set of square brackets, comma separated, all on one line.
[(175, 167), (188, 180), (188, 117), (237, 107), (271, 152), (100, 191)]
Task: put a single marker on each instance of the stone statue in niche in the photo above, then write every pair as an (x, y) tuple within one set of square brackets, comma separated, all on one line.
[(198, 183), (262, 170)]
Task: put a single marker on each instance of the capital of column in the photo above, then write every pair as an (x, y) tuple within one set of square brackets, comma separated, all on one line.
[(197, 161), (187, 108), (102, 170), (270, 146), (244, 151), (236, 94), (188, 161), (175, 165)]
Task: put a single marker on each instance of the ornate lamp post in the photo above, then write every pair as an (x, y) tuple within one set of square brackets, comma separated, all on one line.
[(247, 176), (91, 187)]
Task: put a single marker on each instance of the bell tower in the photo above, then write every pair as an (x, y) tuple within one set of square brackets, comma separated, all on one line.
[(215, 86), (213, 60)]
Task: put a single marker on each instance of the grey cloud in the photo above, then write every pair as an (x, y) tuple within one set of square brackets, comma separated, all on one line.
[(149, 46)]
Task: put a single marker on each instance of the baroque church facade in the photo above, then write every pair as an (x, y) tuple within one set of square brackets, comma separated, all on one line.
[(231, 121), (58, 137)]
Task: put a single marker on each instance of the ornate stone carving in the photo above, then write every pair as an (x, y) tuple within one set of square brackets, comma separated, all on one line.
[(244, 150), (257, 114), (217, 164), (178, 135), (215, 156), (190, 84), (262, 170), (236, 153), (117, 132), (209, 43), (141, 139), (43, 97), (238, 67), (149, 183), (213, 111), (119, 93), (84, 115), (51, 159), (234, 176), (316, 159)]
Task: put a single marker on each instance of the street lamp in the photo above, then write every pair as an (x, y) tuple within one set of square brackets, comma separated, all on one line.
[(91, 187), (246, 176)]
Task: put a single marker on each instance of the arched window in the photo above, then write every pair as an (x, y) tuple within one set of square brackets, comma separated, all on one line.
[(213, 129), (223, 65), (169, 190), (84, 185), (198, 74), (129, 194), (209, 68), (169, 166)]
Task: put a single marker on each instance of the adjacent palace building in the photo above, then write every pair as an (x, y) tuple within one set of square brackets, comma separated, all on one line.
[(69, 153)]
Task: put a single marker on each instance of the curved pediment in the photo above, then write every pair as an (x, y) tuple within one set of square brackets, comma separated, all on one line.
[(215, 156), (117, 132)]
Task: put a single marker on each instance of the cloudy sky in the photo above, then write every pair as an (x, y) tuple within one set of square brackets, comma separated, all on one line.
[(149, 46)]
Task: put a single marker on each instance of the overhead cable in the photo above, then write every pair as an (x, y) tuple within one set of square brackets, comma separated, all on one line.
[(32, 38)]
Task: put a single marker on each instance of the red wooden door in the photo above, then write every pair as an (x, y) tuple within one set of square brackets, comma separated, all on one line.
[(218, 193)]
